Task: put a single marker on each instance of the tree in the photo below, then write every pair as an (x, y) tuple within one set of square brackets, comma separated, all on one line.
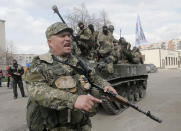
[(104, 18), (10, 49), (78, 14), (2, 58), (81, 14)]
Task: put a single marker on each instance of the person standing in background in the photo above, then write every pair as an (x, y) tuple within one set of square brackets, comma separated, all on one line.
[(9, 77), (16, 71), (1, 76)]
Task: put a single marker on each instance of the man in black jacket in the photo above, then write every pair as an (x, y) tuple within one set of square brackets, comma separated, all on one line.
[(1, 76), (16, 72)]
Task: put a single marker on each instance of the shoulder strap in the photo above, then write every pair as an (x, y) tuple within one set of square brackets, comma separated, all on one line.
[(78, 70)]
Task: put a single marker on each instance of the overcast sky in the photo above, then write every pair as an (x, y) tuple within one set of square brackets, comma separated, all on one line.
[(27, 20)]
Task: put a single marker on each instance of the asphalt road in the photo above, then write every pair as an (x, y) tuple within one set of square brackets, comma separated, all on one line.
[(163, 99)]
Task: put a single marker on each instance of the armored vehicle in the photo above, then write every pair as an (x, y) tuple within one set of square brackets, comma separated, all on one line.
[(129, 80)]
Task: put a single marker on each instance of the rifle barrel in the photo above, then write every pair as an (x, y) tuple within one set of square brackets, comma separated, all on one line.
[(126, 102)]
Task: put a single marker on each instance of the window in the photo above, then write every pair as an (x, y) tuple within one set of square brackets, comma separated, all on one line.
[(179, 45), (166, 60), (169, 60)]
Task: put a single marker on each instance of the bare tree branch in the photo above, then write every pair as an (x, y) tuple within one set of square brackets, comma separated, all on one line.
[(81, 14)]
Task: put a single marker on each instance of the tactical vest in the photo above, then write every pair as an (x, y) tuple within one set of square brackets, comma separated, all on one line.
[(39, 117)]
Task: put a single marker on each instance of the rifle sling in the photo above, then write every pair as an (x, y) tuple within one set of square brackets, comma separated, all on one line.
[(78, 70)]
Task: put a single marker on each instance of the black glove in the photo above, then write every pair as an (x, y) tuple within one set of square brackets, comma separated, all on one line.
[(77, 37), (108, 60)]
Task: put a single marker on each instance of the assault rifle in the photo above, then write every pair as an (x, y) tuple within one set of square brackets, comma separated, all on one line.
[(116, 97), (86, 71)]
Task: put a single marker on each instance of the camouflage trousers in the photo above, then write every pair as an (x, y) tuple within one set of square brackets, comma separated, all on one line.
[(86, 127)]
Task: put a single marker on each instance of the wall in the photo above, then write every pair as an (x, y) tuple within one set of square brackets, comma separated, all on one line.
[(2, 45), (2, 35), (162, 58), (23, 59), (151, 57)]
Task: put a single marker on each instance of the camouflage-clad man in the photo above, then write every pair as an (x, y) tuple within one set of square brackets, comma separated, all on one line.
[(75, 49), (94, 36), (84, 37), (106, 49), (58, 91), (117, 48), (125, 52), (111, 30), (137, 57)]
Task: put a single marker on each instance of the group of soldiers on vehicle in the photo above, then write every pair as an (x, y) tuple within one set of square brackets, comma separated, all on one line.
[(104, 48)]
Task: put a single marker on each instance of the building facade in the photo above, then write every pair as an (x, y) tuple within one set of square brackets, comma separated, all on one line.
[(23, 59), (162, 58), (2, 45), (174, 44)]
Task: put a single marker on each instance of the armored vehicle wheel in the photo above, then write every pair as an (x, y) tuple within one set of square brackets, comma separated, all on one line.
[(142, 92), (111, 107), (124, 94), (130, 96), (136, 94)]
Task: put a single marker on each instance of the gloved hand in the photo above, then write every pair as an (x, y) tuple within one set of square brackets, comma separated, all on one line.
[(77, 37), (108, 60)]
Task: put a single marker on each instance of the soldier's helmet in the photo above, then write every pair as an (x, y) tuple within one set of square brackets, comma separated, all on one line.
[(111, 27), (121, 39), (80, 23), (104, 27), (136, 49), (91, 27), (57, 28)]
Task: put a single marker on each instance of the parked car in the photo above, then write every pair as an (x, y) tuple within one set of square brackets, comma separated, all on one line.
[(151, 68)]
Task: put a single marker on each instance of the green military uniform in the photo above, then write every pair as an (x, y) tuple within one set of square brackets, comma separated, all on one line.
[(53, 87), (137, 57), (117, 50), (75, 49), (112, 38), (125, 52), (111, 30), (93, 50), (85, 41), (106, 51), (94, 39)]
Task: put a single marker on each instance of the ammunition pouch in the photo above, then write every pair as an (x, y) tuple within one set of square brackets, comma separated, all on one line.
[(108, 60)]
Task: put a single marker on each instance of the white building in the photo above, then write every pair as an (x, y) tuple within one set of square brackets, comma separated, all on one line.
[(2, 44), (23, 59), (162, 58)]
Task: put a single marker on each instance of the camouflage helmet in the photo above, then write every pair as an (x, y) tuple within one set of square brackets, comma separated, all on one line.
[(111, 27), (56, 28)]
